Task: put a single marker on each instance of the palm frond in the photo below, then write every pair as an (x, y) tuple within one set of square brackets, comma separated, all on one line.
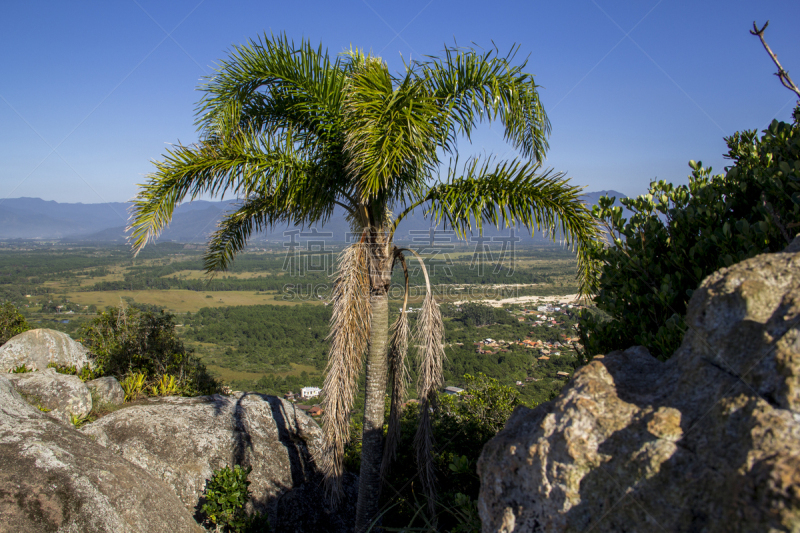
[(429, 339), (487, 86), (241, 167), (349, 337), (513, 193), (259, 213), (391, 130), (298, 86), (429, 344), (398, 376)]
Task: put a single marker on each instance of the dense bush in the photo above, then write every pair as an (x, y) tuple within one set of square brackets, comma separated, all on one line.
[(477, 314), (11, 322), (142, 340), (679, 235), (462, 425), (264, 338)]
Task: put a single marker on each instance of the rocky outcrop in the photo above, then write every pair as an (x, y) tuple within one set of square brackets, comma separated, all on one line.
[(55, 479), (708, 441), (60, 395), (107, 389), (37, 348), (183, 440)]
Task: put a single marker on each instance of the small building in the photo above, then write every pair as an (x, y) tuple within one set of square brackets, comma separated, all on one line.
[(453, 390), (315, 410), (563, 374), (310, 392), (544, 358)]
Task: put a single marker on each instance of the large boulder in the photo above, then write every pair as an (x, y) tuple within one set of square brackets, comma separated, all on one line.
[(61, 395), (183, 440), (36, 348), (107, 389), (708, 441), (55, 479)]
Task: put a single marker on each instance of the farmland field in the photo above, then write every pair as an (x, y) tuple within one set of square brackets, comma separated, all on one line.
[(176, 300), (262, 325)]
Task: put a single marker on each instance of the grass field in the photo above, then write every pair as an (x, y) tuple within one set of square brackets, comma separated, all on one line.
[(178, 301), (200, 274), (228, 375)]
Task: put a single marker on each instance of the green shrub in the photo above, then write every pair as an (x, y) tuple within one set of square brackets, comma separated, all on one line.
[(142, 340), (70, 370), (21, 369), (678, 235), (11, 322), (226, 494), (461, 425), (85, 373)]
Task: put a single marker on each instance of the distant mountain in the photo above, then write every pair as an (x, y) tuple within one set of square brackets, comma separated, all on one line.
[(33, 218)]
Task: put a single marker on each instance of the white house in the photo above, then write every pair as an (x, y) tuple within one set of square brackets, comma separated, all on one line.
[(310, 392)]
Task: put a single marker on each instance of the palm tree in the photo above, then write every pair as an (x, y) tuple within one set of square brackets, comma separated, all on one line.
[(293, 133)]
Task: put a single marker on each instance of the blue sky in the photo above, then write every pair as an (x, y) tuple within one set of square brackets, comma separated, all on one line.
[(92, 91)]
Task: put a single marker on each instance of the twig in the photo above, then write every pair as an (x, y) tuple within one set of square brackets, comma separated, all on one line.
[(786, 81)]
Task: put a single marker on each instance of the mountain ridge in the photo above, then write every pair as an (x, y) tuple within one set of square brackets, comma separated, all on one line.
[(37, 219)]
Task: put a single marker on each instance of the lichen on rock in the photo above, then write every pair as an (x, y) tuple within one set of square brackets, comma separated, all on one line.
[(61, 395), (37, 348), (183, 440), (708, 441), (54, 479)]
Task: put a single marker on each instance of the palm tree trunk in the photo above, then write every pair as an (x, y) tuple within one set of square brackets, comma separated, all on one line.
[(372, 441)]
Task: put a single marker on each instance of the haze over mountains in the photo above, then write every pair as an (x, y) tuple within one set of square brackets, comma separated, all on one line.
[(33, 218)]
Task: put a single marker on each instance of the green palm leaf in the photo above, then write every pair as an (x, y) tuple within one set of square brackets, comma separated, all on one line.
[(477, 87), (513, 193)]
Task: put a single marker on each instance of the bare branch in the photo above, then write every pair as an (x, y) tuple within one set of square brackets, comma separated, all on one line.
[(786, 81)]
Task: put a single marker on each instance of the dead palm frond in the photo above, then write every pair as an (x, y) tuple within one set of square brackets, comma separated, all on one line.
[(398, 376), (429, 337), (349, 337), (429, 341)]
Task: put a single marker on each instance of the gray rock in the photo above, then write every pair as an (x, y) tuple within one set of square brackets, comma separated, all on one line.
[(107, 389), (63, 395), (37, 348), (54, 479), (183, 440), (708, 441)]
